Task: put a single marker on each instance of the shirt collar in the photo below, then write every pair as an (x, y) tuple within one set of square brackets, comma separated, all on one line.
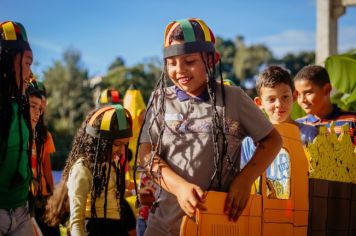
[(183, 96)]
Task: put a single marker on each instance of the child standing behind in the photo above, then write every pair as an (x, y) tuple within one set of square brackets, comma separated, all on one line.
[(42, 147), (313, 86), (192, 132), (276, 94), (94, 175)]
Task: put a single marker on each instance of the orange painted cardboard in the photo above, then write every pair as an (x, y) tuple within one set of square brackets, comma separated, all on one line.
[(262, 215)]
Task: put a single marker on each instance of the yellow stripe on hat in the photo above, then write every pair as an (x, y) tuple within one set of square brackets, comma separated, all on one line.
[(170, 30), (9, 31), (105, 122), (205, 29), (104, 97), (96, 114)]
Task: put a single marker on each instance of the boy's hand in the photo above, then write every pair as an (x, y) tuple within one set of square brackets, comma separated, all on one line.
[(237, 198), (190, 197), (146, 196)]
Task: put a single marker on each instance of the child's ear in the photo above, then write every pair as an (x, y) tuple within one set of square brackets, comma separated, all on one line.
[(327, 89), (258, 101), (295, 95)]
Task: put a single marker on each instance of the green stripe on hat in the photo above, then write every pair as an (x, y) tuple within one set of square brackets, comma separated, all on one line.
[(23, 31), (188, 31), (121, 116)]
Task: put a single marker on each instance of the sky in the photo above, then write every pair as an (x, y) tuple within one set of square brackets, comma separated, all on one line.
[(133, 29)]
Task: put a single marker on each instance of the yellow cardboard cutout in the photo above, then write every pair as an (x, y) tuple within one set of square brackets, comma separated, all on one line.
[(262, 215)]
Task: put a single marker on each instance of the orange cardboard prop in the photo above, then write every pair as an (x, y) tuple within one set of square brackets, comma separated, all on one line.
[(263, 215)]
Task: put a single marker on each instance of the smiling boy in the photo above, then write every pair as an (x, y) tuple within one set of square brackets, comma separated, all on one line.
[(313, 87), (276, 95)]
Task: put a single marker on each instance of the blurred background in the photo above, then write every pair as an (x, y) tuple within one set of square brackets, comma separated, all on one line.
[(83, 47)]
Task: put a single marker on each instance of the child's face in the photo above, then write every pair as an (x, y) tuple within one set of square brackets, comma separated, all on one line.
[(118, 146), (311, 97), (277, 102), (26, 69), (35, 110), (188, 72)]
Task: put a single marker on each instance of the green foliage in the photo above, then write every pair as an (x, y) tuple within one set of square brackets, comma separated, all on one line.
[(342, 72), (70, 96), (227, 51), (295, 62), (248, 59), (297, 111), (69, 99), (119, 62), (143, 76)]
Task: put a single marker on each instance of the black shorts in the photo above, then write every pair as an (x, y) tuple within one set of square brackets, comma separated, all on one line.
[(105, 227), (128, 216)]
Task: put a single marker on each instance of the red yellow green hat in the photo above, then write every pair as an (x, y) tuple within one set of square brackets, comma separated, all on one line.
[(104, 130), (109, 96), (191, 44), (13, 36)]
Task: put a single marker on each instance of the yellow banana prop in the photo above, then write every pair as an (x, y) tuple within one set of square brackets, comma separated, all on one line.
[(134, 103)]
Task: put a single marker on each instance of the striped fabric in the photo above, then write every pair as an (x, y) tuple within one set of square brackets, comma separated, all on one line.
[(339, 117), (188, 32)]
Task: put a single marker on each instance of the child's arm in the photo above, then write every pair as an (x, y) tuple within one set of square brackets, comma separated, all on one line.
[(189, 195), (79, 183), (240, 188), (47, 169)]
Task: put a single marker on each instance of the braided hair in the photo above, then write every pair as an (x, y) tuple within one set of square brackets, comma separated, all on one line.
[(13, 44), (94, 149), (195, 36), (39, 138)]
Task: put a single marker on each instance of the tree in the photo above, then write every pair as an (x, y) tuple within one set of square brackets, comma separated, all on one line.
[(119, 62), (69, 99), (143, 75), (227, 51), (249, 59), (295, 62)]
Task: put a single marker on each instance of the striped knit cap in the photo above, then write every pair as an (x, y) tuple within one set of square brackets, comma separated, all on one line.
[(191, 43), (13, 36)]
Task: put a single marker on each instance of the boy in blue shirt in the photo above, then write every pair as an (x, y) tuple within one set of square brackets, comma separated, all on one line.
[(276, 94)]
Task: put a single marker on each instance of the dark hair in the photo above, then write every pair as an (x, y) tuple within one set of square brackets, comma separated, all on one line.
[(272, 76), (40, 134), (218, 121), (316, 74), (94, 153), (10, 93)]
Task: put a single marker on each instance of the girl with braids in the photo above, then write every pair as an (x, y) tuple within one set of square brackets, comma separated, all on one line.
[(192, 133), (15, 130), (94, 176), (42, 148)]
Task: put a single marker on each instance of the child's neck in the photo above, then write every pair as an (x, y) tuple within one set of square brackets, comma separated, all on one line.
[(289, 120), (328, 109)]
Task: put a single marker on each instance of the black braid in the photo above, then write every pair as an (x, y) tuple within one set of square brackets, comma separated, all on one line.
[(96, 179), (40, 135), (121, 183), (160, 87), (218, 122), (149, 106), (107, 184)]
